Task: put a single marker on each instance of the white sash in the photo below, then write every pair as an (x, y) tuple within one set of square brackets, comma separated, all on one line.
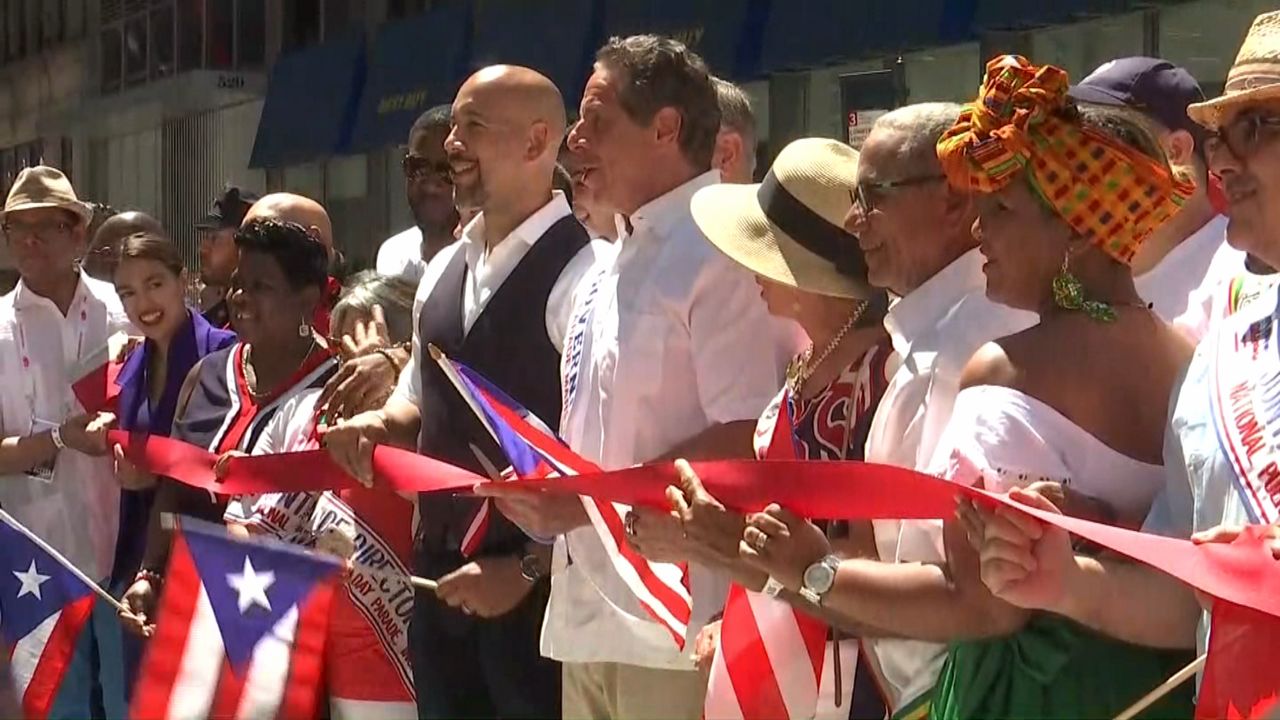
[(1245, 402)]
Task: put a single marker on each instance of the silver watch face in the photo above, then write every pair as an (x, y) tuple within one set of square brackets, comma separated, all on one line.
[(819, 577)]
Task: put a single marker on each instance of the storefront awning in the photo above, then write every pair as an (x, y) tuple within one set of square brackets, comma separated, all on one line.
[(311, 102), (726, 33), (414, 65), (558, 38)]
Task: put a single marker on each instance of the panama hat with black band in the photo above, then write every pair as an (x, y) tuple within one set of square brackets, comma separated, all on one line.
[(789, 227)]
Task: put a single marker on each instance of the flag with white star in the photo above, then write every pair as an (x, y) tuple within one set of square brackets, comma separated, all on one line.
[(240, 630), (44, 607)]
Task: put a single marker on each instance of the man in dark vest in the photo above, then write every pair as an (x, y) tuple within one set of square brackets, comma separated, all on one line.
[(497, 300)]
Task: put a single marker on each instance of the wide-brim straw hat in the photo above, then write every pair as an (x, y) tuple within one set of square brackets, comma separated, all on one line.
[(789, 228), (44, 187), (1254, 76)]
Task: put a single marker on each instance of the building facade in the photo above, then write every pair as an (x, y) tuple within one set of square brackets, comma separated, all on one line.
[(156, 104)]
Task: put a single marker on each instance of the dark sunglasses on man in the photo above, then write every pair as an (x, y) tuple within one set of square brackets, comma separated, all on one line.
[(416, 167)]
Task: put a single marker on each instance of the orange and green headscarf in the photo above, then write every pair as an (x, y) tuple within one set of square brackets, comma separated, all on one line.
[(1104, 189)]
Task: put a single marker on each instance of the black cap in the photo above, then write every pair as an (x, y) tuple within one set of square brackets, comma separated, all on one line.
[(229, 209), (1156, 88)]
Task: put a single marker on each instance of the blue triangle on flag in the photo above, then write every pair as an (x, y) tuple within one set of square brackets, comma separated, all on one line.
[(33, 586), (251, 584)]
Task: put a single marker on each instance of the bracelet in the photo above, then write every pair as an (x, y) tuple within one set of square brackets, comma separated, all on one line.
[(150, 576), (56, 434), (386, 354), (772, 587)]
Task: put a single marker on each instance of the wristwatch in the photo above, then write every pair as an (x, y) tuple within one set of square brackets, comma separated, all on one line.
[(531, 568), (818, 579)]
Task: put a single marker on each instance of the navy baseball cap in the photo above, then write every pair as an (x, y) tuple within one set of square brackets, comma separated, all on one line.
[(1154, 87), (228, 210)]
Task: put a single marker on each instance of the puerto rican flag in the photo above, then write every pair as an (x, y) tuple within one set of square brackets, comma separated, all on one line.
[(772, 661), (535, 452), (241, 630), (44, 607)]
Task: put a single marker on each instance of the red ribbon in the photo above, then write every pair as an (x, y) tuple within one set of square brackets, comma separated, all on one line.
[(1242, 572)]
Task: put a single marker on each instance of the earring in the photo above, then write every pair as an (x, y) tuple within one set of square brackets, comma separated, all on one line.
[(304, 329), (1068, 294)]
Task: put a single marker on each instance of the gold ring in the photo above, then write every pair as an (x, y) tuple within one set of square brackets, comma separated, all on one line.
[(760, 540)]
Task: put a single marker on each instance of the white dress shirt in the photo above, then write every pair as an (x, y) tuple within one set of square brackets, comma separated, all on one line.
[(401, 256), (487, 270), (77, 511), (665, 342), (935, 330), (1174, 285)]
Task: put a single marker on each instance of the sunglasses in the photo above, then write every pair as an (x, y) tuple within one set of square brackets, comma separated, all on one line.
[(416, 167), (1243, 135), (866, 193)]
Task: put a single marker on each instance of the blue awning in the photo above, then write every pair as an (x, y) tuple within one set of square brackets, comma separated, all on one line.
[(414, 65), (726, 33), (558, 38), (312, 97), (802, 35)]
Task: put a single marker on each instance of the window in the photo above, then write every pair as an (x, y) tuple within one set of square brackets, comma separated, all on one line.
[(112, 71), (16, 27), (147, 40), (251, 34), (135, 49), (73, 18), (302, 23), (51, 30), (161, 34), (220, 25), (190, 32), (398, 9)]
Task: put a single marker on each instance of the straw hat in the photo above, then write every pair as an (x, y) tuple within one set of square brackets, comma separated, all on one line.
[(1254, 76), (789, 228), (42, 187)]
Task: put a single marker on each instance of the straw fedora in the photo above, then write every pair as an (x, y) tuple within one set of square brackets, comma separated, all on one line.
[(789, 227), (1254, 76), (43, 187)]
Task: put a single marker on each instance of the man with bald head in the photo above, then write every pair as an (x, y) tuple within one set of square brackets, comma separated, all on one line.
[(101, 259), (498, 300), (288, 207)]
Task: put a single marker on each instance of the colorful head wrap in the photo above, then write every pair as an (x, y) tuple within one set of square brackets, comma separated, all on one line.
[(1104, 189)]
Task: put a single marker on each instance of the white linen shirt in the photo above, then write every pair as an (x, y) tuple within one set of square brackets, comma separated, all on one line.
[(487, 270), (935, 330), (401, 256), (78, 511), (676, 339)]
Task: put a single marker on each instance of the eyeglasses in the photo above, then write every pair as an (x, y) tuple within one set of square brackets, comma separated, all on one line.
[(416, 167), (1243, 135), (21, 231), (865, 193)]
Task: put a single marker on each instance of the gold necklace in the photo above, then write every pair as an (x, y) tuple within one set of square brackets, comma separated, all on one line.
[(251, 377), (802, 367)]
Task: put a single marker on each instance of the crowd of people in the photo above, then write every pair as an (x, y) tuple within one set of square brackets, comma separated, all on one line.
[(1042, 293)]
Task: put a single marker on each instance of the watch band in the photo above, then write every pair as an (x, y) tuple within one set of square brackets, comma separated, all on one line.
[(56, 434)]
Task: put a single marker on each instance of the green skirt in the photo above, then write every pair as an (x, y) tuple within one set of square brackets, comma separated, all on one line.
[(1055, 668)]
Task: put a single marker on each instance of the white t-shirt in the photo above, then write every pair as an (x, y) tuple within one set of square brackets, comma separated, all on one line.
[(486, 271), (401, 256), (77, 509), (669, 339)]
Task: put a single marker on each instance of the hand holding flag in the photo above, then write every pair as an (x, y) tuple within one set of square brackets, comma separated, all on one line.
[(242, 629)]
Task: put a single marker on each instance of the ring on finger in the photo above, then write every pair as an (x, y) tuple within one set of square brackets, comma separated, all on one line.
[(466, 609), (629, 524), (759, 539)]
